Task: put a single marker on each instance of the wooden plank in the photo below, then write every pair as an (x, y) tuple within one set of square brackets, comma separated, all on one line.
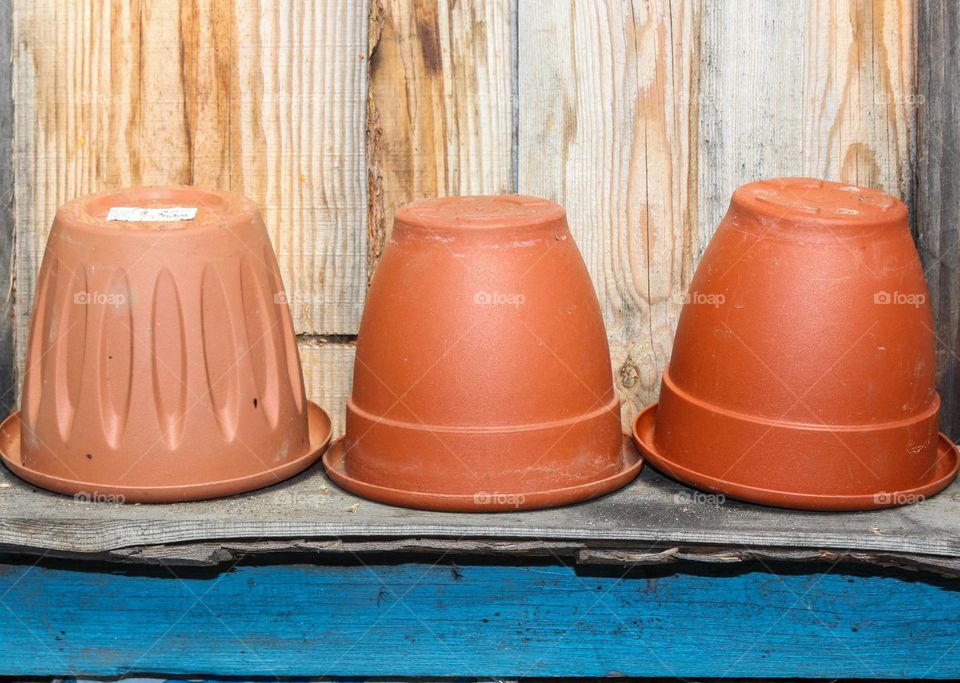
[(824, 88), (440, 111), (263, 98), (8, 289), (219, 553), (937, 217), (476, 620), (651, 511), (299, 149), (607, 110), (328, 377)]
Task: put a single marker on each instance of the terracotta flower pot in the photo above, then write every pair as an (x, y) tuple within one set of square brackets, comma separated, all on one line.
[(162, 364), (482, 378), (803, 370)]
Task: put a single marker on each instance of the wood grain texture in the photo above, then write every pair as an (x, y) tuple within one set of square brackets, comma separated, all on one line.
[(937, 216), (824, 88), (265, 98), (440, 111), (475, 620), (607, 110), (653, 511), (305, 66), (328, 377), (8, 288)]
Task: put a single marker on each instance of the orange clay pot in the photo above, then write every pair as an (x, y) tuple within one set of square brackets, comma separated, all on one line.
[(482, 379), (162, 364), (803, 370)]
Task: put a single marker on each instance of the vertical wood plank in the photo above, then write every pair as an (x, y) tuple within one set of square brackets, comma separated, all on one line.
[(328, 377), (266, 98), (8, 291), (824, 88), (298, 113), (937, 216), (608, 128), (440, 111)]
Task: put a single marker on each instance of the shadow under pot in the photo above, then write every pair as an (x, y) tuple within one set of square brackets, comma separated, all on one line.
[(803, 366), (162, 364), (482, 379)]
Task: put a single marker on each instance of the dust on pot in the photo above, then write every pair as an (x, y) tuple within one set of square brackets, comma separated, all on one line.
[(803, 371), (162, 363), (482, 378)]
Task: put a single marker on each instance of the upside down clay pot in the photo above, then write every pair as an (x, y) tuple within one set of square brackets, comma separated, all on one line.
[(162, 364), (802, 372), (482, 378)]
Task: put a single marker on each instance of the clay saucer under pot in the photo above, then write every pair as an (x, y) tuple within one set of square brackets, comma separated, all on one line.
[(162, 363), (803, 366), (482, 378)]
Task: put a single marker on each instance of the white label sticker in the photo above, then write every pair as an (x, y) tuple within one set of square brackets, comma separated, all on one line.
[(141, 215)]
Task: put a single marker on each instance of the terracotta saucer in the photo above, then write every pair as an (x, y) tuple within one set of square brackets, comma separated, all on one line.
[(948, 461), (334, 462), (319, 430)]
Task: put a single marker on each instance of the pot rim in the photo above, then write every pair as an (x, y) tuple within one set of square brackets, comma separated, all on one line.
[(82, 212), (319, 433), (781, 199), (465, 214), (644, 426), (334, 462)]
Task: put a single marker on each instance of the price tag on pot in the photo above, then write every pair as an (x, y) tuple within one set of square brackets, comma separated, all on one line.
[(141, 215)]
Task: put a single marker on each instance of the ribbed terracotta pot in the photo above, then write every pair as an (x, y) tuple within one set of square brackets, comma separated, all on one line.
[(803, 369), (162, 364), (482, 378)]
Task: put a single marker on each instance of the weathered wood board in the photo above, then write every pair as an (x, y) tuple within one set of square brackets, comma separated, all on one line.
[(937, 216), (328, 376), (265, 98), (476, 621), (607, 127), (820, 88), (8, 290), (652, 513), (440, 111)]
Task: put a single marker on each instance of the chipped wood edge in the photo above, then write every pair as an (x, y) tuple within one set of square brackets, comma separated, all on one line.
[(376, 218), (218, 554)]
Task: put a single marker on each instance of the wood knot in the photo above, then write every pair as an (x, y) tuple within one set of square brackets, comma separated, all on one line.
[(629, 374)]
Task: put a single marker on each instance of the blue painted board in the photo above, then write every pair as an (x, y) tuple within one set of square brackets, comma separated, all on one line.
[(475, 620)]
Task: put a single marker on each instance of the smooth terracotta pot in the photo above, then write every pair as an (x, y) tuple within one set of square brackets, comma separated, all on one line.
[(803, 369), (162, 363), (482, 378)]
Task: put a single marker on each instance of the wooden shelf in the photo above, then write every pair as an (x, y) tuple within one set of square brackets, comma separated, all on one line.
[(653, 520)]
